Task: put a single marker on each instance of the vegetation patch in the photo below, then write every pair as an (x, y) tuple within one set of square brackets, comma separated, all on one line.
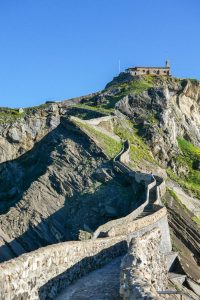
[(85, 114), (196, 220), (190, 154), (176, 198), (138, 148), (136, 86), (97, 108), (9, 115), (33, 109), (110, 146)]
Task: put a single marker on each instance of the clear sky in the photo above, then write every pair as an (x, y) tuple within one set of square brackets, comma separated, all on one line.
[(59, 49)]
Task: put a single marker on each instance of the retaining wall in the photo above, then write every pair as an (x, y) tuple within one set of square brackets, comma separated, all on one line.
[(142, 225), (97, 121), (41, 274), (143, 269), (45, 272), (149, 181)]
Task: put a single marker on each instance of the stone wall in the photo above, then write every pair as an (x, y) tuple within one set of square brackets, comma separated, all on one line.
[(45, 272), (160, 189), (105, 228), (143, 269), (149, 71), (97, 121), (41, 274)]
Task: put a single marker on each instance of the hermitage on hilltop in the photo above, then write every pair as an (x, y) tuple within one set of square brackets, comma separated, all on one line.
[(156, 71)]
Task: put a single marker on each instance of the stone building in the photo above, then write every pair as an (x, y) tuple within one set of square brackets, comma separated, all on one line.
[(156, 71)]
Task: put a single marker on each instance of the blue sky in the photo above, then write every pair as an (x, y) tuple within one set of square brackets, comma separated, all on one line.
[(59, 49)]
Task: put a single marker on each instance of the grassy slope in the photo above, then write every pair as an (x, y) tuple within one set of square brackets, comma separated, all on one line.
[(11, 115), (138, 150), (190, 154), (110, 146), (134, 86)]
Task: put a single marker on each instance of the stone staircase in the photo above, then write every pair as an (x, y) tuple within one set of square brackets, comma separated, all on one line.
[(148, 210), (91, 282), (59, 267)]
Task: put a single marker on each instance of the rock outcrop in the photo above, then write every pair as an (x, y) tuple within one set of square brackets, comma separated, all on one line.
[(64, 184), (143, 269), (166, 111), (57, 182)]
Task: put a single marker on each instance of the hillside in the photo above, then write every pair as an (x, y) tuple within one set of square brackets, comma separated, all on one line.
[(57, 179)]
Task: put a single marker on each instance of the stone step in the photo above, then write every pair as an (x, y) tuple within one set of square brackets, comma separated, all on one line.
[(101, 284)]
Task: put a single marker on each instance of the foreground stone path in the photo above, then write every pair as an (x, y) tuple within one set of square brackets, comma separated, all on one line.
[(101, 284)]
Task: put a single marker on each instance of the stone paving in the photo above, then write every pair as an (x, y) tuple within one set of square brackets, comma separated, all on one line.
[(101, 284)]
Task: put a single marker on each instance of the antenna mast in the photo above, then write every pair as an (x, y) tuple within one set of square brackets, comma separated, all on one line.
[(119, 66)]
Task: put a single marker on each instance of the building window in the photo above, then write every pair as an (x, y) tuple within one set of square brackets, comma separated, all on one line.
[(143, 71), (164, 71)]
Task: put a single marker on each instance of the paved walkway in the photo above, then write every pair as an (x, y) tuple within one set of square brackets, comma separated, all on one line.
[(102, 284)]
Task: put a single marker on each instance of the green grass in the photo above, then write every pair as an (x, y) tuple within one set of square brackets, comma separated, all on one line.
[(84, 114), (139, 86), (176, 198), (173, 194), (188, 149), (138, 149), (98, 108), (189, 154), (110, 146), (30, 110), (196, 220), (9, 115), (135, 86)]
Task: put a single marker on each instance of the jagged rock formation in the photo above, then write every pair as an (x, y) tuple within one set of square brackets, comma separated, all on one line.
[(46, 281), (18, 137), (35, 269), (172, 107), (57, 180), (62, 178)]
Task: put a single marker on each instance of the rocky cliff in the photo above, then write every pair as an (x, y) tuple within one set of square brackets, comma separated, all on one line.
[(58, 183)]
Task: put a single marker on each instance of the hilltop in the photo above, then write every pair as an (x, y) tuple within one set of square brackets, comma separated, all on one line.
[(58, 184)]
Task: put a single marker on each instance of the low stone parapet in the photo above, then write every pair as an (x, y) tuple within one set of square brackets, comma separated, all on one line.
[(43, 273)]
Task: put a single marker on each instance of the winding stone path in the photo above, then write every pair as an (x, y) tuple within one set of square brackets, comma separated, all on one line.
[(101, 284)]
